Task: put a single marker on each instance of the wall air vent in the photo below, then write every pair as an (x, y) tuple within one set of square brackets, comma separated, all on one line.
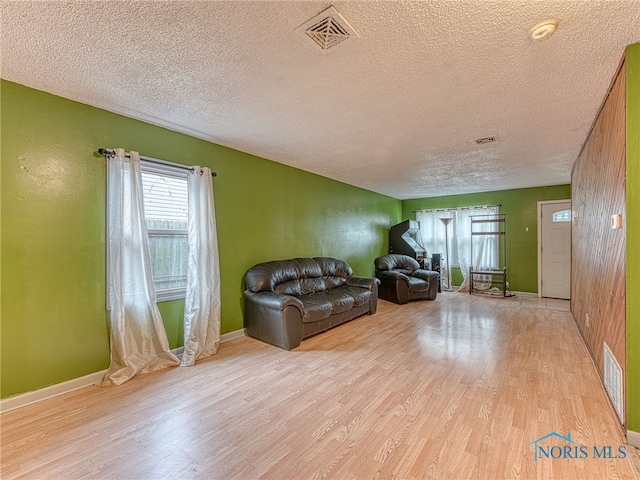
[(613, 380), (327, 29), (484, 140)]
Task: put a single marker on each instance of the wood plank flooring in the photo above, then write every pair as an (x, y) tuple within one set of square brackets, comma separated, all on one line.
[(451, 389)]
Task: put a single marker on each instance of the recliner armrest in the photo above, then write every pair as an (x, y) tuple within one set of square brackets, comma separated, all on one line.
[(391, 275), (426, 275), (366, 282)]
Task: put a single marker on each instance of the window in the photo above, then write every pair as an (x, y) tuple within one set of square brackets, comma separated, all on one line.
[(166, 203), (432, 232), (562, 216)]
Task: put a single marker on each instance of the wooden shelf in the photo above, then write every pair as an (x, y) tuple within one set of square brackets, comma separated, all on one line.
[(488, 272)]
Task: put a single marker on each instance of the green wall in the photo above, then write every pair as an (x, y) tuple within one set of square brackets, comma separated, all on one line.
[(633, 237), (520, 207), (53, 318)]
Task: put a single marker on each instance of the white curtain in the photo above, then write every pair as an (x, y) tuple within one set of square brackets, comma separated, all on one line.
[(485, 249), (432, 231), (432, 234), (202, 303), (138, 340)]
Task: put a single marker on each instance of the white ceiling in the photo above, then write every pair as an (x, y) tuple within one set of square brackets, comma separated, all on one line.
[(394, 110)]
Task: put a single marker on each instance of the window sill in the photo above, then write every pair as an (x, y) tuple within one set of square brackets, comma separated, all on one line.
[(173, 294)]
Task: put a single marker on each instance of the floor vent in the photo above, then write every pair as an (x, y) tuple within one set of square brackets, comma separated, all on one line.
[(327, 29), (613, 380)]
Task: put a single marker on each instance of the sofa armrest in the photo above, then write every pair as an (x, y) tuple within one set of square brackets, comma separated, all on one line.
[(273, 300), (365, 282), (274, 318)]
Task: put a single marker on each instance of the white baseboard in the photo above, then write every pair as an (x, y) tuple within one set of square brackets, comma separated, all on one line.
[(225, 337), (24, 399), (178, 351), (633, 438), (524, 294)]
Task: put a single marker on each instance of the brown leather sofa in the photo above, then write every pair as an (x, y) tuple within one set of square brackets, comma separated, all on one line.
[(288, 300), (402, 280)]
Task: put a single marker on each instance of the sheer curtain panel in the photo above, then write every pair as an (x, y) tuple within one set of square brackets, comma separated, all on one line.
[(485, 249), (138, 340), (202, 303), (433, 238)]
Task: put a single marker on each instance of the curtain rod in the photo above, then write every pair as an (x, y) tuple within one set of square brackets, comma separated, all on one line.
[(109, 152), (455, 208)]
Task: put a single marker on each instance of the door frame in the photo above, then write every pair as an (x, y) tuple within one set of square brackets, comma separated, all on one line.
[(539, 222)]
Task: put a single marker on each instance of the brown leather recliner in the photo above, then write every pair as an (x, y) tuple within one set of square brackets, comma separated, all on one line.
[(402, 279)]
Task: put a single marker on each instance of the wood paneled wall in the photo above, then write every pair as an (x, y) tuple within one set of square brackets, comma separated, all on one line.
[(598, 251)]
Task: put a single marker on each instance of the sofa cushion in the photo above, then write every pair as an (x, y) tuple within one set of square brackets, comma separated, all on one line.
[(341, 301), (321, 305), (333, 282), (301, 286), (292, 287), (332, 267), (298, 276), (360, 295), (316, 307)]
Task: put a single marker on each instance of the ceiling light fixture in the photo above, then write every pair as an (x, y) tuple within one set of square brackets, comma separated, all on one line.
[(543, 30)]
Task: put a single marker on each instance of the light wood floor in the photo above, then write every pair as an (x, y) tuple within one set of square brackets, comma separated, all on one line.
[(456, 388)]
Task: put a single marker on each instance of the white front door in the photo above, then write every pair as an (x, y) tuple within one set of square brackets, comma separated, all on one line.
[(555, 249)]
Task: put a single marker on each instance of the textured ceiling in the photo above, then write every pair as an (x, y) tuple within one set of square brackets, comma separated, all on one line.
[(393, 109)]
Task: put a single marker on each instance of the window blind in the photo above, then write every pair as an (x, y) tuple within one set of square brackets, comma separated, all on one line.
[(165, 193), (166, 203)]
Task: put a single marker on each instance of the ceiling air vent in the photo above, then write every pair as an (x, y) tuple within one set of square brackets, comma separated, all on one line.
[(483, 140), (327, 33), (327, 29)]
